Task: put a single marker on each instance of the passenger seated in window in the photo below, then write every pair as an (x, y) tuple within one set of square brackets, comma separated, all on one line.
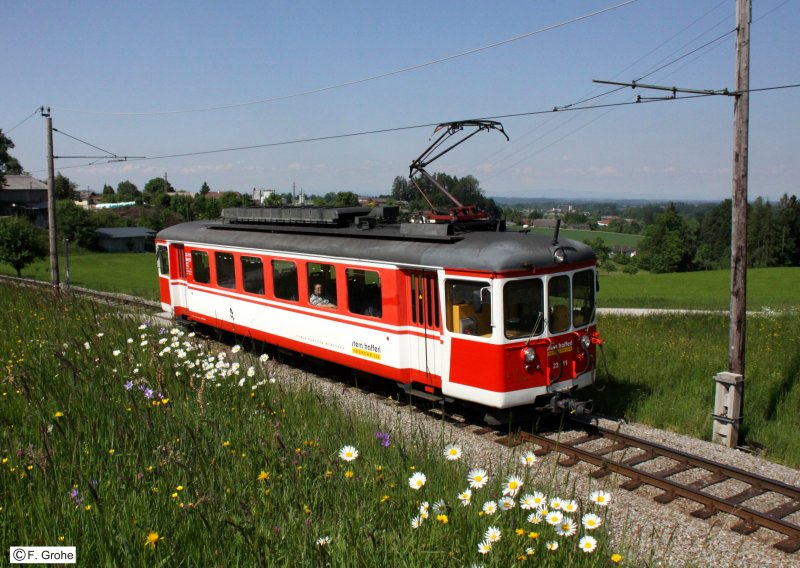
[(318, 299)]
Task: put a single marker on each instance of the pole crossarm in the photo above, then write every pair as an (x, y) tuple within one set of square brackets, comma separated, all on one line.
[(673, 90)]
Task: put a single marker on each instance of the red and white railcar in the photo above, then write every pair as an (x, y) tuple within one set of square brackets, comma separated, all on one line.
[(502, 319)]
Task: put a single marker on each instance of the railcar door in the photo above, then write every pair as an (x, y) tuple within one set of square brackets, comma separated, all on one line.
[(177, 276), (426, 325)]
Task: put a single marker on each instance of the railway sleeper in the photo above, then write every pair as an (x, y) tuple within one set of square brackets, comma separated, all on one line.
[(706, 512), (789, 545)]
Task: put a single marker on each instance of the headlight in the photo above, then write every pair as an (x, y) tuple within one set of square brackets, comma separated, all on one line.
[(529, 355), (586, 341), (559, 256)]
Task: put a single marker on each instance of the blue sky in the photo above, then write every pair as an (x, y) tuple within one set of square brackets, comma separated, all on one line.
[(115, 75)]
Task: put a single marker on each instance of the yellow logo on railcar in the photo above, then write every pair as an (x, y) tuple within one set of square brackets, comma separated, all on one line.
[(367, 350)]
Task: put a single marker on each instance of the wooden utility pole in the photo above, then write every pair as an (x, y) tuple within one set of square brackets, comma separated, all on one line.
[(51, 200), (729, 409)]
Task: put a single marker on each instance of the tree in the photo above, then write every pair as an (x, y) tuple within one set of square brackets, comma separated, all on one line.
[(667, 245), (345, 199), (204, 189), (76, 224), (8, 163), (156, 192), (128, 191), (20, 243), (64, 188)]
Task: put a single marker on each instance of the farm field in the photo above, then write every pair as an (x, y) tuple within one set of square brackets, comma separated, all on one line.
[(143, 446)]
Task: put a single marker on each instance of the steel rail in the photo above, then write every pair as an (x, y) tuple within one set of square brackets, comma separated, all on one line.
[(712, 504)]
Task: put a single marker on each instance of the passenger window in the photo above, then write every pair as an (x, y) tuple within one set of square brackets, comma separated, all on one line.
[(469, 307), (200, 267), (523, 308), (284, 279), (364, 292), (162, 258), (226, 273), (252, 274), (321, 285), (583, 298), (558, 302)]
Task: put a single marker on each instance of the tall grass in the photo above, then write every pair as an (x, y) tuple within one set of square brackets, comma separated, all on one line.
[(662, 367), (142, 446)]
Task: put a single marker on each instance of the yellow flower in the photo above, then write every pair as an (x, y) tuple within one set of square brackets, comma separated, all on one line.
[(533, 535), (520, 532), (263, 476), (152, 539), (88, 507), (179, 488), (616, 558), (225, 444), (306, 509), (30, 467), (348, 474), (61, 538), (384, 498), (58, 414), (174, 495), (111, 451), (442, 519)]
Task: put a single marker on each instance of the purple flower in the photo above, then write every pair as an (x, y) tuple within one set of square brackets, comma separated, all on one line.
[(128, 386), (76, 498), (148, 393), (383, 437)]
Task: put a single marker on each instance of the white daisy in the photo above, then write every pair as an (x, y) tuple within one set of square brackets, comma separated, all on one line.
[(569, 506), (526, 502), (440, 507), (465, 497), (477, 478), (528, 459), (492, 534), (417, 480), (539, 499), (323, 541), (416, 522), (489, 508), (567, 527), (556, 503), (452, 452), (587, 544), (554, 518), (507, 503), (600, 497), (535, 518), (591, 521), (551, 545), (348, 453), (485, 547), (512, 486)]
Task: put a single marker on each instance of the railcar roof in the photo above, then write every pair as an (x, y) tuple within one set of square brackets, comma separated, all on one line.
[(480, 250)]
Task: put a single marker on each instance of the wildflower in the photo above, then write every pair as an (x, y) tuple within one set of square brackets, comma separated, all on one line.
[(465, 497), (507, 503), (452, 452), (600, 497), (58, 414), (236, 348), (554, 518), (348, 453), (616, 558), (526, 502), (533, 535), (87, 346), (490, 507), (128, 386), (587, 544), (385, 498), (416, 522), (440, 506), (513, 485), (485, 547), (442, 518), (535, 518), (539, 499), (88, 507), (567, 527), (551, 545), (569, 506), (591, 521), (492, 534), (263, 476), (477, 478), (323, 541), (152, 539), (349, 474), (556, 503), (417, 480), (520, 532), (116, 352), (264, 358), (383, 437), (528, 458), (530, 551), (111, 451)]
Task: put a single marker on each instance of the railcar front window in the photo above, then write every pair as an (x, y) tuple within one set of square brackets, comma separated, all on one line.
[(364, 292), (558, 297), (200, 267), (469, 307), (163, 260), (284, 279), (523, 308), (226, 273), (583, 305), (252, 274)]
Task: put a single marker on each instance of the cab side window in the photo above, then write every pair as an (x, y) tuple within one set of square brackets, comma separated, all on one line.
[(364, 292), (284, 279), (201, 267), (468, 307)]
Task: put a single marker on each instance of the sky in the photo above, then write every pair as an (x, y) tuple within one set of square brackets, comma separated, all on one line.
[(283, 95)]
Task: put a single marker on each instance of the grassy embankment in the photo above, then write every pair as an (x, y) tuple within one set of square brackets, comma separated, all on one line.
[(141, 447)]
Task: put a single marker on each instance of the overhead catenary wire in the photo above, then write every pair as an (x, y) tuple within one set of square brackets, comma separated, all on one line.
[(20, 123)]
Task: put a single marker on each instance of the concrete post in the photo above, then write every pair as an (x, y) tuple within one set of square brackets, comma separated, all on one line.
[(727, 408)]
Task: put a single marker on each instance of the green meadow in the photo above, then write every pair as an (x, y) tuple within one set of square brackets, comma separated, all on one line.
[(144, 446)]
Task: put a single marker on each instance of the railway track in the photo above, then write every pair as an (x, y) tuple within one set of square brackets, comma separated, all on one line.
[(678, 475)]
